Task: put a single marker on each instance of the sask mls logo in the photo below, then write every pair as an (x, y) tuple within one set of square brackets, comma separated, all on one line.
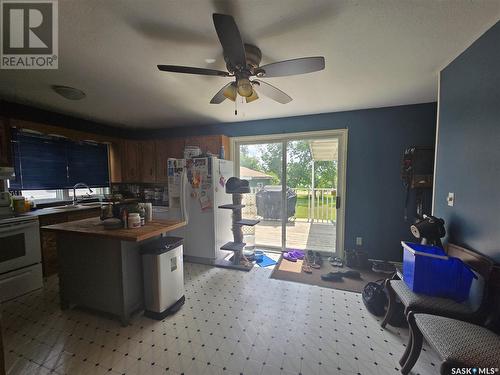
[(29, 34)]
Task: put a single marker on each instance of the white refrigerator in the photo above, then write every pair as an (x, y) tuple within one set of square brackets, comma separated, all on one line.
[(196, 187)]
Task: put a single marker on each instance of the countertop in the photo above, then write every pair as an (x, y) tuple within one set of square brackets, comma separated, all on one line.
[(94, 227), (55, 210)]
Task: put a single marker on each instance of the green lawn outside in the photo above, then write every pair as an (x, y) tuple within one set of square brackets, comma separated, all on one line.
[(325, 212)]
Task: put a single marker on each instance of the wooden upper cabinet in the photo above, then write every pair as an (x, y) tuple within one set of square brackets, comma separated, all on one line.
[(5, 151), (147, 161), (115, 161), (166, 149), (209, 143), (130, 161)]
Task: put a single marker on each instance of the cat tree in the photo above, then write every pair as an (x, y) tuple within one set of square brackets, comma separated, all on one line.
[(237, 188)]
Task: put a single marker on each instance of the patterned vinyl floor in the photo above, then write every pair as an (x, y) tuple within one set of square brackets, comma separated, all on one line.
[(232, 323)]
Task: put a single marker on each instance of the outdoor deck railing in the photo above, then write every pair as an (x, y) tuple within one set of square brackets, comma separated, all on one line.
[(321, 204)]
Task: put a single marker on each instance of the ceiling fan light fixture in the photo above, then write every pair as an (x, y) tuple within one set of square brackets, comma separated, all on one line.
[(252, 97), (244, 87), (230, 92)]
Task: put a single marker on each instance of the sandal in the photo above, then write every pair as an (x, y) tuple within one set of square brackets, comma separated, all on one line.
[(306, 268), (318, 261), (336, 261), (297, 254), (289, 256)]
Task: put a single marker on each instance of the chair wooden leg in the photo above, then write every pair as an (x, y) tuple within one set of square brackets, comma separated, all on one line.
[(392, 303), (403, 359), (416, 345), (446, 367)]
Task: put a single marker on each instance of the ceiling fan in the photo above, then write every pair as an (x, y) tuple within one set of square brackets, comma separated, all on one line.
[(242, 62)]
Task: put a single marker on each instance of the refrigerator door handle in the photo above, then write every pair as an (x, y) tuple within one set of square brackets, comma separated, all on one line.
[(184, 185)]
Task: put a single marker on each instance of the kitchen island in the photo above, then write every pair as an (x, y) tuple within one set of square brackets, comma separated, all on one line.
[(101, 269)]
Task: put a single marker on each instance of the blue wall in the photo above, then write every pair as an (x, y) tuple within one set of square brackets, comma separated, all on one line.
[(468, 156), (377, 139)]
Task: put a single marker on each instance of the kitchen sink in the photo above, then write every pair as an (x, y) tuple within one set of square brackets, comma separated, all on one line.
[(79, 205), (68, 207)]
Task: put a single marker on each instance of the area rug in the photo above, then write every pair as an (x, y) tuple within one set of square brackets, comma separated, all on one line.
[(266, 261), (292, 271)]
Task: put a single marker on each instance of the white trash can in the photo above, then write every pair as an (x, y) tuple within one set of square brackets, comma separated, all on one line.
[(163, 277)]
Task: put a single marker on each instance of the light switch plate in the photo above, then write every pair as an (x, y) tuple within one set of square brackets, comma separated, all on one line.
[(451, 199), (359, 241)]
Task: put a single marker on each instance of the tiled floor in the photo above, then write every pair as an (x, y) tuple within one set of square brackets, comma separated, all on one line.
[(233, 322)]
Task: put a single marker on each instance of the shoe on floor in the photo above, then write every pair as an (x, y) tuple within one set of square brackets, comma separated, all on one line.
[(332, 276), (318, 260), (383, 267), (289, 256), (351, 274), (336, 261)]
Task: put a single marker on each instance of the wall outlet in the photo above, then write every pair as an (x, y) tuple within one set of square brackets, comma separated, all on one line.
[(451, 199), (359, 241)]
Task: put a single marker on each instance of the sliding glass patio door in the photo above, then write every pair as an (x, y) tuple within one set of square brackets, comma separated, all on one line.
[(262, 165), (297, 184)]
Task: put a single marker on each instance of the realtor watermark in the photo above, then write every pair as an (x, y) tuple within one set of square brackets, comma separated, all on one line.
[(29, 34), (474, 370)]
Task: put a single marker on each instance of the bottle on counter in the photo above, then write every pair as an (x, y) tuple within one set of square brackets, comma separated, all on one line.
[(125, 217), (149, 212), (142, 214)]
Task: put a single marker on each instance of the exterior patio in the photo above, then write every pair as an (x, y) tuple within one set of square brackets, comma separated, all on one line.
[(301, 234)]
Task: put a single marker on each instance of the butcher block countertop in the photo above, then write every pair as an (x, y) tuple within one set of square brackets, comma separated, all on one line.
[(94, 227)]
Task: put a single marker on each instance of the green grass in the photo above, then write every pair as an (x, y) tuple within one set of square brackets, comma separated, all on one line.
[(325, 211)]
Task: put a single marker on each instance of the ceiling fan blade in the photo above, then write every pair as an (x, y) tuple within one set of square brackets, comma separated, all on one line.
[(230, 91), (220, 97), (295, 66), (252, 97), (272, 92), (191, 70), (230, 38)]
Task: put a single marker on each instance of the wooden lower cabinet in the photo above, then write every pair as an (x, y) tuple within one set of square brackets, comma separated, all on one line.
[(48, 240)]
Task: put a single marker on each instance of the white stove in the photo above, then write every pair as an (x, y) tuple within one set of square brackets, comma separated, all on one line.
[(20, 256)]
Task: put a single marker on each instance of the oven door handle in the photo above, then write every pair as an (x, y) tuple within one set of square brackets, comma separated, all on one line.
[(18, 276), (12, 227)]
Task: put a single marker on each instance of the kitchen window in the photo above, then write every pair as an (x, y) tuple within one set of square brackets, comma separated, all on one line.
[(47, 196), (47, 164)]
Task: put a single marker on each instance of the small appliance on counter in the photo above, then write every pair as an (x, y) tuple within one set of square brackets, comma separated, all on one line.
[(5, 204), (156, 194), (163, 277)]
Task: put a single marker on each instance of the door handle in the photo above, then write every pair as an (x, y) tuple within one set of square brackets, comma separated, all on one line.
[(337, 203)]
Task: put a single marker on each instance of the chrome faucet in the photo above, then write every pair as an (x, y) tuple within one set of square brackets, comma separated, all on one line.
[(80, 184)]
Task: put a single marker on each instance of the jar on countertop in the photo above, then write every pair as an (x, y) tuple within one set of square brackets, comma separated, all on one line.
[(134, 220)]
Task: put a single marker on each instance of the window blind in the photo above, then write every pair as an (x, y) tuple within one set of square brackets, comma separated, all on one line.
[(88, 162), (47, 163)]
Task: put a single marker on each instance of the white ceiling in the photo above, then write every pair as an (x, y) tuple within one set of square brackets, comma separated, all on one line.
[(378, 53)]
